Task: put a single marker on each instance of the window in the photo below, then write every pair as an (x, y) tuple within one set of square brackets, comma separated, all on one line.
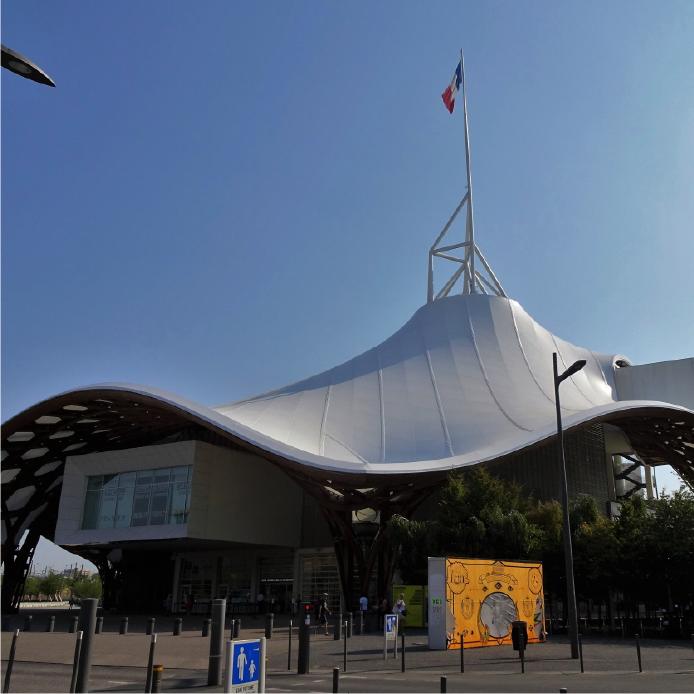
[(130, 499)]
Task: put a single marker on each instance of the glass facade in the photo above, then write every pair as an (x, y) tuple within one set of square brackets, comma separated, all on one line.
[(235, 579), (147, 497), (319, 575)]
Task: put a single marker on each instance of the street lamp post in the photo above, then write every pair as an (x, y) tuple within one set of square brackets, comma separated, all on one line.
[(568, 554)]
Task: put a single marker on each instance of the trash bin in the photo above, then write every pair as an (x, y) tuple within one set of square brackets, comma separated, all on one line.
[(518, 629)]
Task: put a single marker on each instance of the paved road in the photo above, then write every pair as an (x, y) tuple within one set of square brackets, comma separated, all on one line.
[(44, 663), (43, 677)]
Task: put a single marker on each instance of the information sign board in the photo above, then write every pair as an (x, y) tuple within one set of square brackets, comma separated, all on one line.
[(245, 666), (390, 633)]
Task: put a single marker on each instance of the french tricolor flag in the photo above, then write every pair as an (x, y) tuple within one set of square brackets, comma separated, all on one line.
[(449, 95)]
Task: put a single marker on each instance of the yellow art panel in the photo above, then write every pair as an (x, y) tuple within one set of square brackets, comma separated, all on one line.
[(484, 597)]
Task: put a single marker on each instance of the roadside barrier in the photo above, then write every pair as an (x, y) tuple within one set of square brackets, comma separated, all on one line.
[(177, 626), (50, 624), (336, 680)]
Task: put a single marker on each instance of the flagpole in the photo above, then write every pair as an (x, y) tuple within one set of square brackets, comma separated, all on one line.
[(470, 221)]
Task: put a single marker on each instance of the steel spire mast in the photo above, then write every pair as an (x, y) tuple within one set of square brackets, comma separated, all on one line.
[(474, 282)]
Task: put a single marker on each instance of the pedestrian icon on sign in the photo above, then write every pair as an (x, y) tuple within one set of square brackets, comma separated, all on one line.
[(241, 664)]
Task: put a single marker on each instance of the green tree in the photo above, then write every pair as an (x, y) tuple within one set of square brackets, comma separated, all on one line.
[(86, 586), (31, 586), (479, 516), (51, 584)]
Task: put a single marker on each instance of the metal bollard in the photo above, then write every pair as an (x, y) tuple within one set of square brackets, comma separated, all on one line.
[(443, 684), (150, 626), (336, 680), (50, 624), (87, 625), (124, 625), (178, 625), (580, 650), (638, 651), (157, 673), (289, 649), (462, 653), (73, 625), (269, 624), (345, 650), (624, 632), (99, 625), (206, 627), (214, 670), (563, 690), (693, 642), (304, 665), (403, 652), (5, 623), (10, 662), (76, 662), (361, 622), (27, 622), (350, 622), (338, 628), (521, 648), (150, 664), (237, 628)]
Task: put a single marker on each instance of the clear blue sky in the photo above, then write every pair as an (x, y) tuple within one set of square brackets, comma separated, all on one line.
[(224, 197)]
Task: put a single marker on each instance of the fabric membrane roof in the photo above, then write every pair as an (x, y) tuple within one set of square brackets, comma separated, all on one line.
[(467, 380)]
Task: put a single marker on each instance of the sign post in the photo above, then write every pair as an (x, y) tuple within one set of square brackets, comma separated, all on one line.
[(247, 671), (390, 630)]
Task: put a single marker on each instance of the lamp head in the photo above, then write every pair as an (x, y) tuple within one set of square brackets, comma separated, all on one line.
[(576, 366)]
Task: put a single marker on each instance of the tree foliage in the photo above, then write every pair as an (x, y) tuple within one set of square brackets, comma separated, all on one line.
[(51, 584), (647, 553), (82, 586)]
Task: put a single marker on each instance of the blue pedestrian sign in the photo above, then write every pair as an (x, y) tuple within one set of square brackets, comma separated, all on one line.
[(245, 666), (391, 626)]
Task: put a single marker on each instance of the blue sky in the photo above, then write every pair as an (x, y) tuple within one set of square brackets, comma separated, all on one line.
[(221, 198)]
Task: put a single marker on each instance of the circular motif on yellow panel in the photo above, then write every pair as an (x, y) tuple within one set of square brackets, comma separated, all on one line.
[(535, 580), (457, 577)]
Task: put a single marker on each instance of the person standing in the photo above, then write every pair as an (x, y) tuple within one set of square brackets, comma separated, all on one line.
[(401, 612), (261, 603), (324, 612), (363, 603)]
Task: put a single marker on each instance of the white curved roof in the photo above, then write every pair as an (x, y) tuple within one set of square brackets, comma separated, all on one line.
[(465, 373)]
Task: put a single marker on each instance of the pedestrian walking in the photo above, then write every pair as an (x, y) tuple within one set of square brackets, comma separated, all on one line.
[(324, 612), (400, 610)]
